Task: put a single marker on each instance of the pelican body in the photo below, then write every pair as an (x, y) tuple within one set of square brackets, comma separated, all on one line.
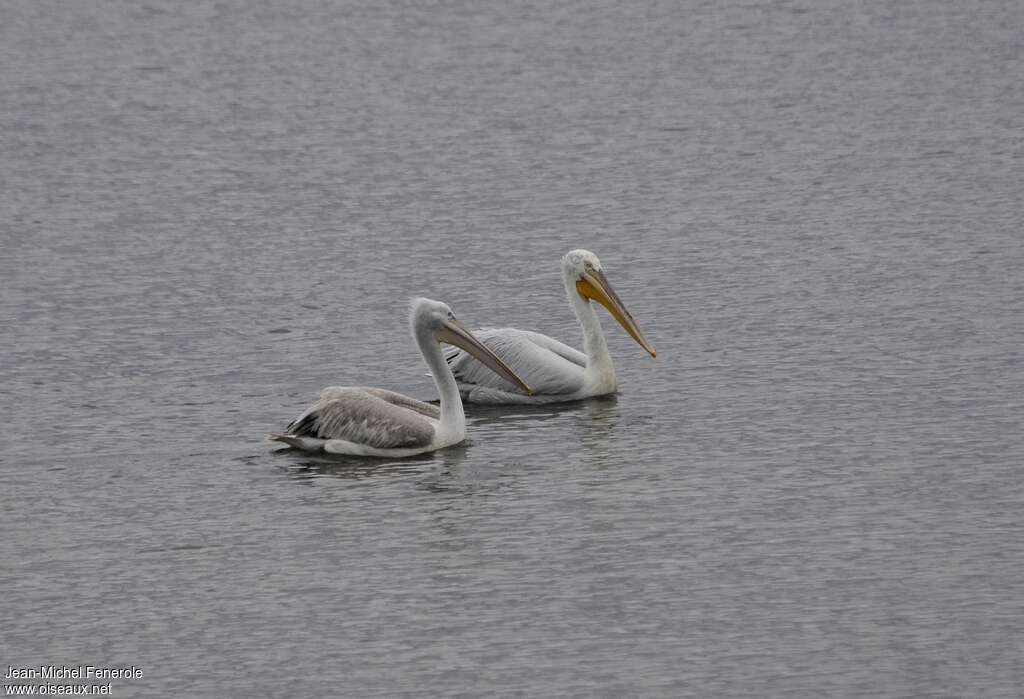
[(376, 422), (555, 371)]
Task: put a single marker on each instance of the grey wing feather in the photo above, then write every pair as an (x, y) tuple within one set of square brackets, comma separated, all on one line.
[(392, 397), (403, 401), (547, 365), (355, 415), (559, 348)]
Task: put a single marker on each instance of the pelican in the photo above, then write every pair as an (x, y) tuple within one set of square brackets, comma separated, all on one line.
[(376, 422), (556, 371)]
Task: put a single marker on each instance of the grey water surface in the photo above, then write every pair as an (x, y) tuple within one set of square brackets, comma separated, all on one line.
[(210, 210)]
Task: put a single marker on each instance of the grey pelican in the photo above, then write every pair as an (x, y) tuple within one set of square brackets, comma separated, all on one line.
[(376, 422), (555, 371)]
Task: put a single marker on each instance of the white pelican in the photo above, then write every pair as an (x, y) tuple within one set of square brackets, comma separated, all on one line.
[(376, 422), (556, 372)]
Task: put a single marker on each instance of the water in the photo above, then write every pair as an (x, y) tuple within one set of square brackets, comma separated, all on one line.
[(212, 210)]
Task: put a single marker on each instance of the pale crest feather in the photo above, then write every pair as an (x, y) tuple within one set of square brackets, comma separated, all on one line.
[(369, 417), (547, 365), (575, 260)]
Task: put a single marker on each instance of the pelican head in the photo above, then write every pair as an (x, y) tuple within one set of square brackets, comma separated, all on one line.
[(582, 269), (438, 319)]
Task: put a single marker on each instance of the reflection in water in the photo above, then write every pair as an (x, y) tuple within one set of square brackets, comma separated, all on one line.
[(591, 423), (597, 422), (484, 416), (304, 466)]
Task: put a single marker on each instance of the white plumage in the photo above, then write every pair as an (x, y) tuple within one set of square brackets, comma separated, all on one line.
[(377, 422), (555, 371)]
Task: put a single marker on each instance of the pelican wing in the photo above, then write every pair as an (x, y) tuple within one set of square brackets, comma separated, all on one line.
[(428, 409), (559, 348), (546, 364), (357, 415)]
